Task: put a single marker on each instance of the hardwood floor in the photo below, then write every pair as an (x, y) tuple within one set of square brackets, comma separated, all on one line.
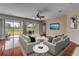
[(10, 52), (70, 50), (13, 52), (17, 51), (2, 42)]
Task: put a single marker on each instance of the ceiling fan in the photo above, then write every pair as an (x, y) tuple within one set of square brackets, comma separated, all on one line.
[(39, 16), (41, 11)]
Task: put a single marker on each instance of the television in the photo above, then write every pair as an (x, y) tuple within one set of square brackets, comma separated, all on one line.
[(55, 26)]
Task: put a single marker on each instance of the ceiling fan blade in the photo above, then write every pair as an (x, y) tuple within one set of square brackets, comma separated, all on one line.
[(38, 15), (42, 16)]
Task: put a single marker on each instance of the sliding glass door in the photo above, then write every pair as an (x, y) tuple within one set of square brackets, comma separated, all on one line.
[(32, 28), (13, 29)]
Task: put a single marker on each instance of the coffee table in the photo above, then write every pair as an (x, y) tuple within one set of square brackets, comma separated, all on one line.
[(40, 49)]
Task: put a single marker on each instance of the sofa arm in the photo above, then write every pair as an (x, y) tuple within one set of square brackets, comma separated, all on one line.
[(67, 41), (51, 47), (29, 47)]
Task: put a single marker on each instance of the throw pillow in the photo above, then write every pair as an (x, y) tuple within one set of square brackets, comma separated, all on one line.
[(32, 39)]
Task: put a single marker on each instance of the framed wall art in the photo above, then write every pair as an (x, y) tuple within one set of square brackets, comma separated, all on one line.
[(73, 21)]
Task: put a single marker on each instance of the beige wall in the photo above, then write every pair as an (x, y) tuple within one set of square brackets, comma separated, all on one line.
[(73, 33), (63, 22)]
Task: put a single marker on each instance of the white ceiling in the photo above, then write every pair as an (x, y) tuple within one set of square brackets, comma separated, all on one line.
[(29, 10)]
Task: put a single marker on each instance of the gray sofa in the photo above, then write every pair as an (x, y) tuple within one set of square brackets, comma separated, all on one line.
[(57, 44), (26, 45)]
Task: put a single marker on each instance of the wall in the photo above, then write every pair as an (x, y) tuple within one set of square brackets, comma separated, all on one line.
[(63, 26), (73, 33), (2, 29)]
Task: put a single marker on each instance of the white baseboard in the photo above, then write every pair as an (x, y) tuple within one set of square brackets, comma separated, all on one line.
[(75, 42)]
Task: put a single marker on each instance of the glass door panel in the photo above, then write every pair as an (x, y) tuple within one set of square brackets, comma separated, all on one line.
[(9, 39), (18, 30), (12, 30), (32, 28)]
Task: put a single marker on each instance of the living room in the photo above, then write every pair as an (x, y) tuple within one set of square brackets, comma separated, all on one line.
[(45, 31)]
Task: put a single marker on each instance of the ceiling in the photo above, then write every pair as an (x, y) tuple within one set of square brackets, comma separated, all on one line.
[(28, 10)]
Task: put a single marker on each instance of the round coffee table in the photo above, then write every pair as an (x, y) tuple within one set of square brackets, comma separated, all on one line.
[(40, 48)]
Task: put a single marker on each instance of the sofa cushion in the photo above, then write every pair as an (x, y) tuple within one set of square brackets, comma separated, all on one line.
[(65, 37), (50, 39), (56, 39)]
